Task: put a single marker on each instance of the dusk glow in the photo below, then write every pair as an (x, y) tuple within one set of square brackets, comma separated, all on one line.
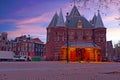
[(31, 17)]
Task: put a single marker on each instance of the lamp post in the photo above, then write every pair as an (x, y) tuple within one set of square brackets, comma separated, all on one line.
[(67, 46), (67, 43)]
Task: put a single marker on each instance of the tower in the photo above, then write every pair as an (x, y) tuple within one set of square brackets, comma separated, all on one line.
[(56, 37), (4, 36), (100, 34)]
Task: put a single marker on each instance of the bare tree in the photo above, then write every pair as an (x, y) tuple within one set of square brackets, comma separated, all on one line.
[(105, 6)]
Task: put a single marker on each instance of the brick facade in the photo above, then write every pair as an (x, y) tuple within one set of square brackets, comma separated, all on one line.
[(79, 30)]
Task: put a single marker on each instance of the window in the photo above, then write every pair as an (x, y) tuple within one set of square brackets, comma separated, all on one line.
[(79, 35), (71, 35)]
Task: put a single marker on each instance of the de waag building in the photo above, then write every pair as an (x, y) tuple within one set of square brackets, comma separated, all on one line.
[(76, 39)]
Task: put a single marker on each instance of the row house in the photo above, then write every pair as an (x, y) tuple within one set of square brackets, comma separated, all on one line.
[(38, 47), (22, 46), (26, 46)]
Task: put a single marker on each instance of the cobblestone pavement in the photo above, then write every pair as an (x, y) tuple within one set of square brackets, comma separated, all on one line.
[(59, 71)]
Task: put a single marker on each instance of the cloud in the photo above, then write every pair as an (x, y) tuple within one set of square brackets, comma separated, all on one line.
[(36, 26), (28, 30), (113, 34), (39, 19), (8, 21), (110, 17)]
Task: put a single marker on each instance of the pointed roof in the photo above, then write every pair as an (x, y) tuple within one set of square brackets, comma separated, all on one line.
[(75, 12), (60, 21), (99, 22), (93, 21), (74, 17), (54, 20)]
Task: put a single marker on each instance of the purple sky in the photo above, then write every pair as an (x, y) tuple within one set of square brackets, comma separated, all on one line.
[(31, 17)]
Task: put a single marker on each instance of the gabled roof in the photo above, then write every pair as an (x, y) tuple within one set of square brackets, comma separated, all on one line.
[(54, 20), (60, 21), (99, 22), (73, 22), (74, 12), (37, 40), (74, 17)]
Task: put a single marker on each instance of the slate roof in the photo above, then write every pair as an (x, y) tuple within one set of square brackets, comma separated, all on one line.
[(37, 40), (74, 12), (54, 20), (99, 22), (93, 21), (60, 21), (74, 17)]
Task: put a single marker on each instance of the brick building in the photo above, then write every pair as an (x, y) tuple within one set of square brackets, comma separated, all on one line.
[(110, 51), (86, 39), (27, 46)]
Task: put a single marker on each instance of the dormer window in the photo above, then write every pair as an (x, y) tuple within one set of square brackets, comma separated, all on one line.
[(79, 24)]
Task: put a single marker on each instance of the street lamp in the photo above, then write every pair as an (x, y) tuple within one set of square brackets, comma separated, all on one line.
[(67, 46), (67, 37)]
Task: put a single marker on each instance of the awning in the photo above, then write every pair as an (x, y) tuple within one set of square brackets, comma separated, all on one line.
[(81, 45)]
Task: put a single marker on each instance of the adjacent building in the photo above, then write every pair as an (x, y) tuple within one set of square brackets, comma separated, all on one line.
[(5, 44), (110, 51), (76, 38), (27, 46), (22, 46), (117, 52), (39, 47)]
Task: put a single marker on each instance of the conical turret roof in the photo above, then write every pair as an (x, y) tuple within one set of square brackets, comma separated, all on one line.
[(99, 22), (60, 21), (93, 21), (54, 20)]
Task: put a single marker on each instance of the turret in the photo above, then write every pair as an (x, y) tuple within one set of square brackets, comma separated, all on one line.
[(99, 22), (54, 20), (60, 21)]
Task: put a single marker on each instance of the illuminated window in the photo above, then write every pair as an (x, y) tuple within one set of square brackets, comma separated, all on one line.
[(79, 24)]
